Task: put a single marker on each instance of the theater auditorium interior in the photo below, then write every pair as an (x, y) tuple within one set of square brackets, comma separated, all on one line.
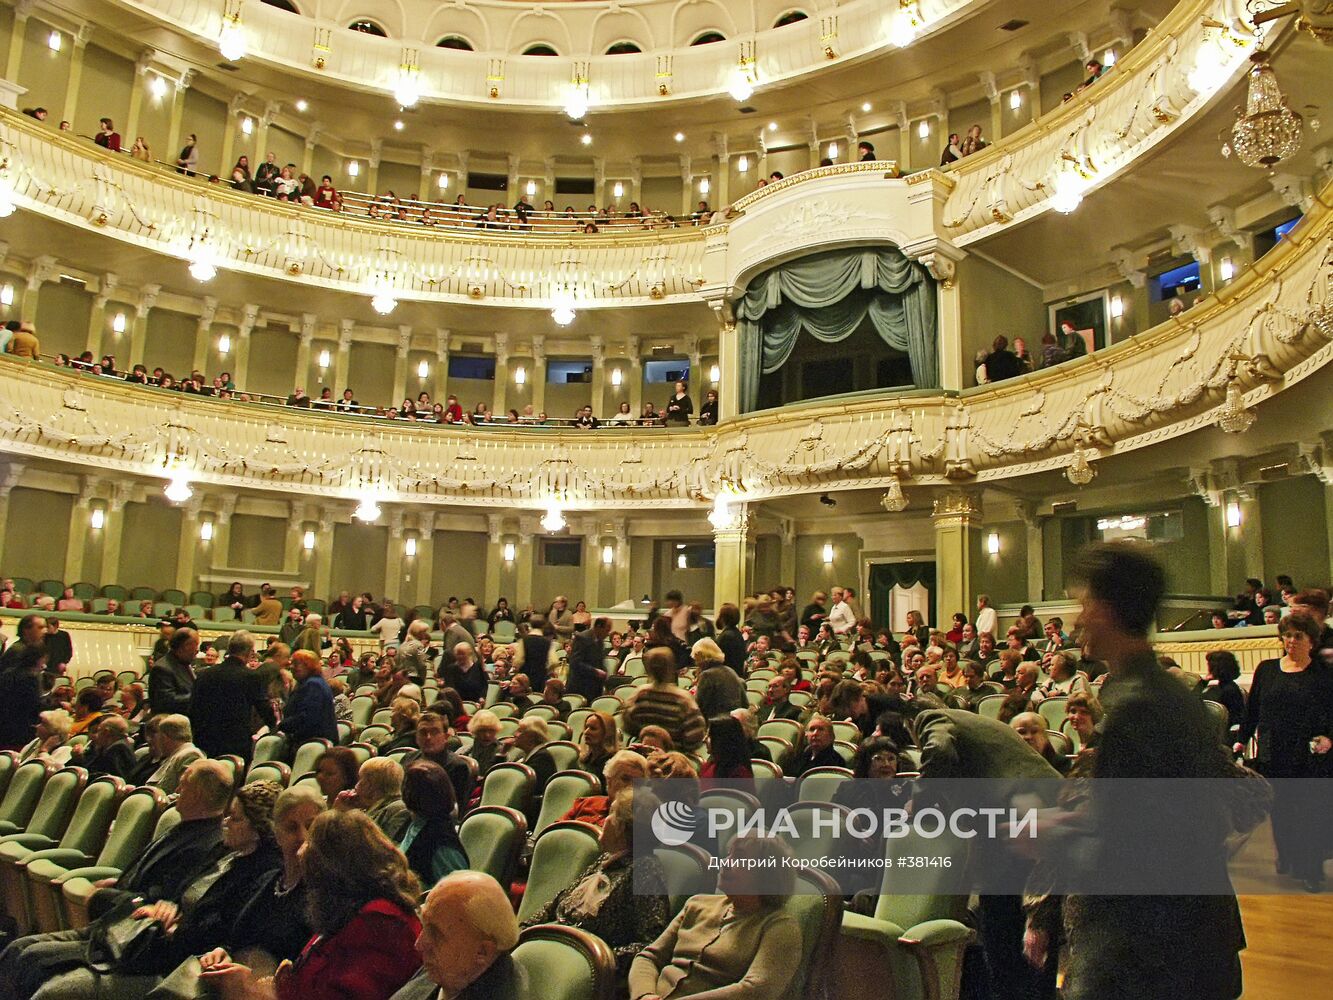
[(491, 493)]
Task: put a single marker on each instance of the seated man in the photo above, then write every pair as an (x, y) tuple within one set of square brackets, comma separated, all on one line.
[(109, 751), (171, 745), (818, 750), (433, 735), (162, 872), (468, 930), (776, 703)]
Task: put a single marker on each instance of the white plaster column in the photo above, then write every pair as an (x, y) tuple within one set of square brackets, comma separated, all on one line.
[(501, 386), (538, 374), (400, 365), (139, 334)]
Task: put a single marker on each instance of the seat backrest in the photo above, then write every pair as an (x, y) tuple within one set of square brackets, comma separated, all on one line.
[(568, 963), (202, 597), (547, 712), (909, 909), (363, 752), (270, 746), (608, 703), (733, 800), (8, 765), (1221, 717), (270, 770), (788, 729), (375, 735), (989, 706), (561, 852), (52, 588), (166, 822), (805, 818), (560, 793), (817, 908), (819, 783), (764, 770), (503, 709), (492, 836), (508, 785), (178, 597), (363, 710), (306, 755), (59, 798), (686, 870), (577, 719), (779, 747), (800, 698), (1053, 710), (133, 828), (564, 753), (93, 814)]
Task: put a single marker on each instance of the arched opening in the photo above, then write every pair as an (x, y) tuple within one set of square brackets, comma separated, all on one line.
[(286, 5), (791, 17), (540, 49), (709, 37), (367, 27), (454, 42), (623, 49)]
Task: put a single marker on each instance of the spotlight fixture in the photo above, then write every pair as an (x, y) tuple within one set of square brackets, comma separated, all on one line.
[(827, 500), (586, 138), (398, 125), (865, 106), (680, 136), (772, 126)]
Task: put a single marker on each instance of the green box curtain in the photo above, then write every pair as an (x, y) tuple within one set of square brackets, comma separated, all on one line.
[(829, 295), (885, 576)]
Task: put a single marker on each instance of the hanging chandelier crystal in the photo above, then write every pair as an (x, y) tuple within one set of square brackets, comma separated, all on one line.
[(894, 499), (1080, 473), (563, 312), (554, 518), (722, 517), (1233, 417), (178, 488), (202, 256), (1267, 131), (367, 510)]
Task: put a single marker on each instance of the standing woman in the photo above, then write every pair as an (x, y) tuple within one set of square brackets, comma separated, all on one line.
[(679, 408), (1290, 711), (185, 163)]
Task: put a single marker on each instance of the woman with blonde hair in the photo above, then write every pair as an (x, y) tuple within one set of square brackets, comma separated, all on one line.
[(140, 150), (52, 738), (598, 744), (486, 748), (404, 714)]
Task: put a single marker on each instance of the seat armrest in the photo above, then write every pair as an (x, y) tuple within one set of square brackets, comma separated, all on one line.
[(66, 857), (92, 874), (32, 841), (862, 928), (934, 933)]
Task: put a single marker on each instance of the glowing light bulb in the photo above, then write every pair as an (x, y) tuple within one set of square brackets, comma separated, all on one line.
[(1015, 100), (743, 165), (178, 488), (231, 40), (423, 369), (206, 531), (97, 518)]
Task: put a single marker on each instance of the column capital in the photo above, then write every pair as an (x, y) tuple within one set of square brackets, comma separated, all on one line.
[(23, 9), (426, 524), (308, 321), (1026, 511), (295, 515), (147, 299), (1030, 72), (226, 508), (345, 327), (312, 136), (395, 520), (84, 35), (404, 340), (957, 508), (144, 62), (376, 152), (598, 350), (539, 349), (1078, 41), (9, 478), (184, 81), (42, 270), (90, 489), (271, 111), (494, 524), (989, 87), (249, 317), (208, 312), (120, 496), (106, 287), (502, 346), (632, 349)]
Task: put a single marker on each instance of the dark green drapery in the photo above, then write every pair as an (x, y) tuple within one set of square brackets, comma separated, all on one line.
[(885, 576)]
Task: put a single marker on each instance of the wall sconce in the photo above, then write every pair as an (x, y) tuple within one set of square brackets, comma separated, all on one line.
[(1015, 100), (443, 181), (353, 169), (704, 185), (714, 374), (224, 344), (743, 165), (509, 552), (117, 321), (423, 369), (54, 41), (608, 554), (616, 377), (1108, 58), (323, 360), (247, 123), (7, 295), (530, 188), (1117, 307), (157, 86), (828, 553), (206, 531), (520, 375), (308, 541), (923, 129), (681, 561), (832, 150), (97, 518), (618, 191), (1233, 514), (410, 547), (993, 543), (1226, 269)]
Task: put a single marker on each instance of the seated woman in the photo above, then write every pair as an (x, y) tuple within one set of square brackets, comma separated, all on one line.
[(52, 738), (363, 916), (1083, 713), (207, 909), (876, 784), (1220, 686), (729, 756), (620, 773), (486, 748), (655, 738), (404, 713), (741, 941), (1032, 727), (618, 898), (133, 704), (430, 841), (87, 712), (336, 772), (379, 794), (598, 744)]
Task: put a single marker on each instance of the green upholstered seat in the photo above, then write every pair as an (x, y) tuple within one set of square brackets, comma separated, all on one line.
[(493, 837), (686, 869), (565, 963), (559, 854), (270, 770), (509, 785), (76, 886), (270, 746), (25, 788), (819, 783), (561, 791)]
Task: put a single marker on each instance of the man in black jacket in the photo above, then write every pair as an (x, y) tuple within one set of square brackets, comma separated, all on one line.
[(163, 872), (31, 634), (20, 693), (776, 704), (586, 676), (59, 647), (433, 740), (818, 750), (223, 699), (109, 751), (171, 679)]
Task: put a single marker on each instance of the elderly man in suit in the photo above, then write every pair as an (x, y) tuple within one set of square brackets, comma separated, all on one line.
[(468, 930), (223, 699), (776, 703)]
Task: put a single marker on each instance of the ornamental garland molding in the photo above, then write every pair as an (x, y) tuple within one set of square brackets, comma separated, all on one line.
[(1265, 332)]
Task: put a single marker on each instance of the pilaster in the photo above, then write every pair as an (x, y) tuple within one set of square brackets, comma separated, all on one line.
[(957, 517), (498, 405), (80, 39), (400, 365), (538, 376), (139, 333), (733, 542)]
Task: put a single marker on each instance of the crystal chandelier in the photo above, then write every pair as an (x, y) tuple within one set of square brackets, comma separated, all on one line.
[(1233, 416), (1267, 131), (1080, 473), (893, 499), (554, 518)]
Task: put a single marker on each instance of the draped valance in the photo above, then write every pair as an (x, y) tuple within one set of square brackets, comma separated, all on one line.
[(829, 295)]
